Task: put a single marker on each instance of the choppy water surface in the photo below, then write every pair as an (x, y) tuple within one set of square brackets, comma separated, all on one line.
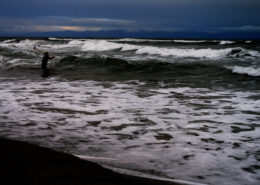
[(175, 109)]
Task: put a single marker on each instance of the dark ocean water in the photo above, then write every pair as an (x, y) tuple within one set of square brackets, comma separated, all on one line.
[(177, 109)]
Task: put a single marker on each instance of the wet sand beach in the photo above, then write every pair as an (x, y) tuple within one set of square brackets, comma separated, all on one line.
[(24, 163)]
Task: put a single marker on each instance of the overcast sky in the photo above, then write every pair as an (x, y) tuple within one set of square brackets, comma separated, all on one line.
[(129, 15)]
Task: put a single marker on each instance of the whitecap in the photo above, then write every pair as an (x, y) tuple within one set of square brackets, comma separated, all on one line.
[(52, 38), (9, 41), (14, 61), (245, 70), (190, 41), (195, 53), (59, 39), (141, 40), (253, 53), (73, 43), (104, 45), (24, 44), (100, 45), (225, 42)]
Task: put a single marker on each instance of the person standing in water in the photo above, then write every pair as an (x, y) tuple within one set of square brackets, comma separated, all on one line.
[(45, 58)]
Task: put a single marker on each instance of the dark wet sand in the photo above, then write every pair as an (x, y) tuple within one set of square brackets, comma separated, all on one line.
[(23, 163)]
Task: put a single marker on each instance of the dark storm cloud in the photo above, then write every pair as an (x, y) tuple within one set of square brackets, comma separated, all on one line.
[(169, 15), (57, 23)]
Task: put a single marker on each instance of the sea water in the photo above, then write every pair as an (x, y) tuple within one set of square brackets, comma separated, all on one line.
[(176, 109)]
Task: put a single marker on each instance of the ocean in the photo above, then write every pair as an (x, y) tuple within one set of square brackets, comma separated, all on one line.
[(175, 109)]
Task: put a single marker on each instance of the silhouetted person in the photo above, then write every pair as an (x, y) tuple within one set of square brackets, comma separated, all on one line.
[(45, 58)]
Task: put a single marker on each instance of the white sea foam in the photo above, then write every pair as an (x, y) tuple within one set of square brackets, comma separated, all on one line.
[(100, 45), (93, 45), (141, 40), (9, 41), (62, 39), (26, 46), (52, 38), (245, 70), (75, 43), (196, 53), (72, 45), (14, 61), (190, 41), (26, 43), (112, 120), (225, 42), (104, 45), (22, 45), (253, 53)]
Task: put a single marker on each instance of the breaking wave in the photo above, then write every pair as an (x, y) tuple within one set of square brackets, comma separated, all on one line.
[(251, 71), (113, 56), (102, 45), (195, 53), (19, 45), (190, 41), (103, 66), (105, 45), (113, 68), (224, 42)]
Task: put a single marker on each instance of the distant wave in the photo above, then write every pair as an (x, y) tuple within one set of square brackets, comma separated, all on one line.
[(144, 68), (140, 40), (105, 45), (225, 42), (190, 41), (23, 44), (102, 45), (251, 71), (195, 53), (111, 55), (198, 53), (9, 41), (61, 39), (98, 68)]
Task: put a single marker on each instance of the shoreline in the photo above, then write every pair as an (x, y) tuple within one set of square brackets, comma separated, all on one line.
[(24, 163)]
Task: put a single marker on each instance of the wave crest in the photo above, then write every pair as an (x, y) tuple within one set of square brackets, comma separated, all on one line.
[(251, 71), (209, 53)]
